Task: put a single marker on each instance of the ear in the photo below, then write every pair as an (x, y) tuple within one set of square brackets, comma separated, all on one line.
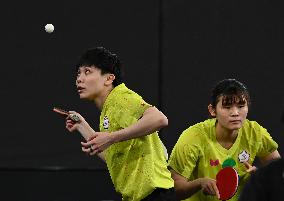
[(212, 110), (109, 79)]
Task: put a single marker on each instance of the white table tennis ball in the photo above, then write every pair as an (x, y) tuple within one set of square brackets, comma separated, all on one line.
[(49, 28)]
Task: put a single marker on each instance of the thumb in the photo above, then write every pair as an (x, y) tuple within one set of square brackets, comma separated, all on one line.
[(248, 166)]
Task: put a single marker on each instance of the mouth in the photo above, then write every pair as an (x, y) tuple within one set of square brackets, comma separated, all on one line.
[(235, 121), (80, 89)]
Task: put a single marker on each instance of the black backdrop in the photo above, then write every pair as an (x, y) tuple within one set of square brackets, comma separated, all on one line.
[(39, 72), (173, 53)]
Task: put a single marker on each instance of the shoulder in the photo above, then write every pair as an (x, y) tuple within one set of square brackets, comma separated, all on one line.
[(199, 131), (253, 127), (252, 124), (121, 97)]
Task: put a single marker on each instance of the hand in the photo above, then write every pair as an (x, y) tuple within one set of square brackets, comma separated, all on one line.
[(72, 125), (209, 187), (97, 143), (249, 167)]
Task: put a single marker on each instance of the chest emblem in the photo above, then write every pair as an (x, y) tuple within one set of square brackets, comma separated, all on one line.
[(214, 162), (243, 156), (106, 122)]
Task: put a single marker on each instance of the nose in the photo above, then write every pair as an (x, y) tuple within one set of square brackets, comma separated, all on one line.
[(79, 79), (234, 111)]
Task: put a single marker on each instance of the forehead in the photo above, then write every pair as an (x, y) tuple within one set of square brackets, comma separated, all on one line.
[(82, 68)]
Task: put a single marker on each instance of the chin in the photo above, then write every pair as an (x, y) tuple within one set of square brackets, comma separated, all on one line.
[(236, 127), (84, 97)]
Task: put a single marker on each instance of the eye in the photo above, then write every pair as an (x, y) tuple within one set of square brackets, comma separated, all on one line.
[(87, 71), (227, 107), (78, 74), (241, 106)]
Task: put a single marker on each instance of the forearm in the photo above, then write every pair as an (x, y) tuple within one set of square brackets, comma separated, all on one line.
[(85, 130), (185, 189), (270, 157), (151, 121)]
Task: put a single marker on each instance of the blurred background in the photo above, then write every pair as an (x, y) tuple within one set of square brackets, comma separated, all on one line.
[(173, 52)]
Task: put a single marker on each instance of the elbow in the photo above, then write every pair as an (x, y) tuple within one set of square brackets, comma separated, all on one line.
[(163, 121), (156, 118)]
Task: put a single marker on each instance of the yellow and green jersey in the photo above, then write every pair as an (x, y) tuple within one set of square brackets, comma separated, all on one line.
[(136, 166), (197, 153)]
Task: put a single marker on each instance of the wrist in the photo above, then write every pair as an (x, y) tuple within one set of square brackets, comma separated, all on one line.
[(199, 183), (82, 127), (85, 130)]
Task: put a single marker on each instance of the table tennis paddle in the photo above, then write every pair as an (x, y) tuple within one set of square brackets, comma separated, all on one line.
[(73, 117), (227, 181)]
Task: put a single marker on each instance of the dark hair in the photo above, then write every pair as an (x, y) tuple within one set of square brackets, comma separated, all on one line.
[(104, 60), (232, 91)]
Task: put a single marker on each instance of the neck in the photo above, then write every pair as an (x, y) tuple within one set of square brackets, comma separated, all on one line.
[(100, 100), (225, 136)]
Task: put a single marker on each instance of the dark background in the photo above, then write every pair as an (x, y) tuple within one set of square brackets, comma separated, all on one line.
[(173, 52)]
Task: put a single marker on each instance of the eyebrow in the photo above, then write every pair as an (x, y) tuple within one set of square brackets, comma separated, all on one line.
[(81, 68)]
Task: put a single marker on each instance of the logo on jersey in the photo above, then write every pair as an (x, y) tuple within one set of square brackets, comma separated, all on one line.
[(106, 122), (214, 162), (243, 156)]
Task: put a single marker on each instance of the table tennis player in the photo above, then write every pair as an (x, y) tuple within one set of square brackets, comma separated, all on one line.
[(227, 139)]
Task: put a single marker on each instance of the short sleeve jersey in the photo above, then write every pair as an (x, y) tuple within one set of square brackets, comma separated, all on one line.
[(197, 153), (136, 166)]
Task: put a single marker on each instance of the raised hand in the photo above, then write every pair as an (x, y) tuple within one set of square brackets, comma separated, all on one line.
[(249, 167), (209, 187)]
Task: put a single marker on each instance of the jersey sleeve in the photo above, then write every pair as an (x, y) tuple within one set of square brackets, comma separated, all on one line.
[(185, 154), (267, 144), (128, 109)]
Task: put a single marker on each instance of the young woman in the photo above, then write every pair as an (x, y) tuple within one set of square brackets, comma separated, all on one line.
[(226, 139), (128, 140)]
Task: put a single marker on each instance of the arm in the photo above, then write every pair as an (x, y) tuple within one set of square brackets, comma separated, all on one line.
[(270, 157), (89, 150), (85, 130), (263, 160), (185, 189), (151, 121)]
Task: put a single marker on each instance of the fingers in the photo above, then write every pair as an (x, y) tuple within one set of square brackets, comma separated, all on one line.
[(74, 116), (249, 167), (90, 150), (86, 144), (208, 190), (216, 190), (87, 150), (90, 146), (70, 125), (209, 187), (252, 169), (90, 140), (212, 187)]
